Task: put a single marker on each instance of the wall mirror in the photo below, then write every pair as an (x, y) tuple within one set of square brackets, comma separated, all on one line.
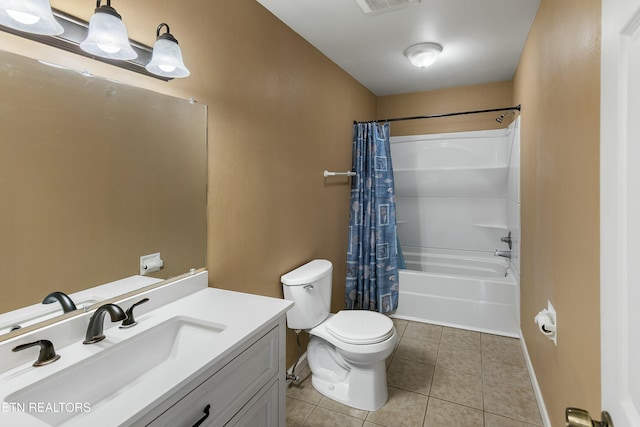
[(94, 174)]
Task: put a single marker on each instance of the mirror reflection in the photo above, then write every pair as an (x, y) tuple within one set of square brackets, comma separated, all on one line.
[(94, 174)]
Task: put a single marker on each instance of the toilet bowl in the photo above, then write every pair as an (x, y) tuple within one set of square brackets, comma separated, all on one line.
[(347, 350)]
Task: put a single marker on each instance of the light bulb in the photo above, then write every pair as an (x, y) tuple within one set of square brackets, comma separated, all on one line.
[(23, 17), (108, 48), (167, 68)]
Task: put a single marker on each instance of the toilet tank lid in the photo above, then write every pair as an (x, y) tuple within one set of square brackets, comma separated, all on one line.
[(308, 273)]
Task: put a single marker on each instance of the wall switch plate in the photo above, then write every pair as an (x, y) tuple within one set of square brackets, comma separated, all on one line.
[(150, 263)]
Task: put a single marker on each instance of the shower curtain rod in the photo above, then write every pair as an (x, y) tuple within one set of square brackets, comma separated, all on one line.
[(435, 116)]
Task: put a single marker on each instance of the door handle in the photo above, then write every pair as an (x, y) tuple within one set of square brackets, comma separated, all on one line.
[(577, 417)]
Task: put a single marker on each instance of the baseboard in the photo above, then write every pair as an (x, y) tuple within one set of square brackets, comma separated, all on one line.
[(536, 387)]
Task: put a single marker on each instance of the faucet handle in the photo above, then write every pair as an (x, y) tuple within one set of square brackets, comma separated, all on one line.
[(130, 321), (47, 352), (507, 239)]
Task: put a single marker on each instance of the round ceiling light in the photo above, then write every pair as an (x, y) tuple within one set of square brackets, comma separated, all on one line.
[(423, 54)]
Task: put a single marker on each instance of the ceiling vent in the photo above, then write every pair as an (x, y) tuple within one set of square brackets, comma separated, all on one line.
[(374, 7)]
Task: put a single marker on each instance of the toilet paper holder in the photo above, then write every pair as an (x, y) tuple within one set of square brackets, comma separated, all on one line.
[(547, 324)]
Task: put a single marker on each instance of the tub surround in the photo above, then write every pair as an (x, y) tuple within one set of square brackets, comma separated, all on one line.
[(242, 319), (457, 197), (452, 189)]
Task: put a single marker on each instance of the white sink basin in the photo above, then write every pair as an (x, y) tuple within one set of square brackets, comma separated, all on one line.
[(109, 373)]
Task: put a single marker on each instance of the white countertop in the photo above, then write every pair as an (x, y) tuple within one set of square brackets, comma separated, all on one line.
[(243, 315)]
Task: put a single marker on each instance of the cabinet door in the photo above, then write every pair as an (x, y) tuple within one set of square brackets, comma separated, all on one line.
[(229, 389), (261, 411)]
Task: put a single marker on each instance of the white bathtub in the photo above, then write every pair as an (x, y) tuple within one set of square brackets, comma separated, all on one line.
[(469, 290)]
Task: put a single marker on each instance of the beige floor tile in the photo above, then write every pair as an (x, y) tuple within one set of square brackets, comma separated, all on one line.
[(461, 359), (446, 414), (493, 340), (304, 391), (321, 417), (423, 331), (497, 373), (512, 402), (410, 375), (417, 350), (461, 338), (332, 405), (457, 387), (437, 377), (403, 409), (492, 420), (502, 351), (297, 412), (400, 325)]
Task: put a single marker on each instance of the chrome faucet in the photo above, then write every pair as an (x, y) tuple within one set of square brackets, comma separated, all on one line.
[(64, 300), (506, 254), (96, 323)]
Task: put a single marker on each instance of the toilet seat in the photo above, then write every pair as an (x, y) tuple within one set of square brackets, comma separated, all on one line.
[(359, 327)]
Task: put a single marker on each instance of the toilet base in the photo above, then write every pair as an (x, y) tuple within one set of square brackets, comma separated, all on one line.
[(357, 386)]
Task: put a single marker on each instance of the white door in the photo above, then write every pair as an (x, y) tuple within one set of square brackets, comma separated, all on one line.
[(620, 211)]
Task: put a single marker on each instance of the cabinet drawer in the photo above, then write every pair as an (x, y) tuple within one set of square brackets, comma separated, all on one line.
[(229, 389)]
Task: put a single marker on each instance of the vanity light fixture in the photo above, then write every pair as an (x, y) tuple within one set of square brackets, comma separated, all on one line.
[(32, 16), (83, 38), (107, 36), (167, 56), (423, 55)]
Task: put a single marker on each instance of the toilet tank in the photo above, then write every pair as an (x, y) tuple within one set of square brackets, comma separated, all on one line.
[(309, 287)]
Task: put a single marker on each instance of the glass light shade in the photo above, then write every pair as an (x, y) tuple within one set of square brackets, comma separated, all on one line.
[(167, 59), (424, 54), (108, 36), (31, 16)]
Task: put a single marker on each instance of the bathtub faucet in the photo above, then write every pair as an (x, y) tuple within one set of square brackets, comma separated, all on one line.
[(506, 254)]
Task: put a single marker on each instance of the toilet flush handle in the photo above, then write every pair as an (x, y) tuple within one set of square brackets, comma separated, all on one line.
[(308, 287)]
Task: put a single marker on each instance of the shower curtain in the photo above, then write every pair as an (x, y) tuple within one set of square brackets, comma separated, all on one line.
[(372, 257)]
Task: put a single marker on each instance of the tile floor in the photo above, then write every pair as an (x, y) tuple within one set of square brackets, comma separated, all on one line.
[(437, 377)]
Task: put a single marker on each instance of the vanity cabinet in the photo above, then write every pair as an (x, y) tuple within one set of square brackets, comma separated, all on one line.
[(247, 390)]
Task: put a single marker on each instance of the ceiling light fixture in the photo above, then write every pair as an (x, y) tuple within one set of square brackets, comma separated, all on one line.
[(32, 16), (107, 36), (423, 55), (167, 56)]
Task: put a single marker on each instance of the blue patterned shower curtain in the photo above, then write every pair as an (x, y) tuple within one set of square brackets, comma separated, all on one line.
[(372, 257)]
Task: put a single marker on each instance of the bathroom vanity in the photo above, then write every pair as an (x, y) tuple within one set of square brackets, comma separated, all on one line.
[(197, 356)]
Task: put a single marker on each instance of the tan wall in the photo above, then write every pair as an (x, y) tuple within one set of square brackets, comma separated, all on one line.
[(466, 98), (279, 114), (558, 83)]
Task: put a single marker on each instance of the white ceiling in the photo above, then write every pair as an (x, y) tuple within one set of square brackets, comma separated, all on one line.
[(482, 39)]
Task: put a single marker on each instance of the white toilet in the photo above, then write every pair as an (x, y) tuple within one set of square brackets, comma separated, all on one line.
[(347, 350)]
